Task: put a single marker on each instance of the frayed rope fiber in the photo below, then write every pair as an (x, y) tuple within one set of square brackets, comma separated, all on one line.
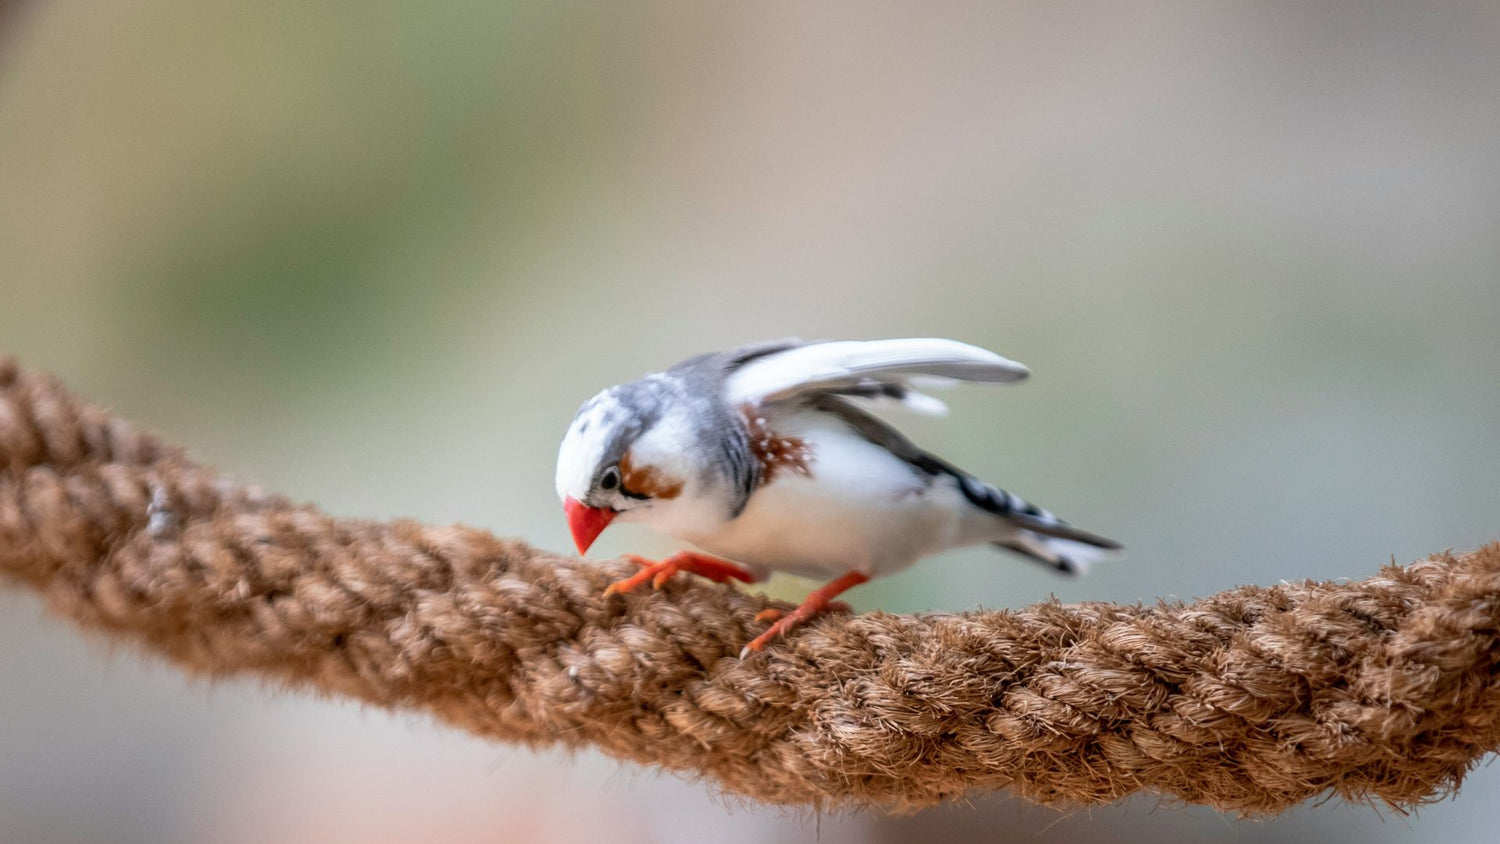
[(1254, 700)]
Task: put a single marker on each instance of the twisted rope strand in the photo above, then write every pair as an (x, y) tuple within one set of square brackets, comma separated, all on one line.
[(1254, 699)]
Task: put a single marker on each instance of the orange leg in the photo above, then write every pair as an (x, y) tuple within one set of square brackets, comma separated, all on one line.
[(821, 600), (713, 568), (773, 613)]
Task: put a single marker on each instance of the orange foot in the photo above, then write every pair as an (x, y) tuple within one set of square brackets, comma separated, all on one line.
[(820, 601), (713, 568), (774, 613)]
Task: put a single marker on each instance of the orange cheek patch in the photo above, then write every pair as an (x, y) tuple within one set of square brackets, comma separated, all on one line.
[(648, 480), (775, 453)]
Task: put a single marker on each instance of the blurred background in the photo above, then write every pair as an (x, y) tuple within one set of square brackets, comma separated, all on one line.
[(374, 255)]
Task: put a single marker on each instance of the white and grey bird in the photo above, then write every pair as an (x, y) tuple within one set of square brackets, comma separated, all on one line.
[(762, 456)]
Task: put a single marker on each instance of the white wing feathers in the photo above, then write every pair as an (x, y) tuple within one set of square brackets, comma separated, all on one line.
[(868, 366)]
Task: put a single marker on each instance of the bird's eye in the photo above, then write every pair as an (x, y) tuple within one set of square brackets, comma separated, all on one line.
[(610, 479)]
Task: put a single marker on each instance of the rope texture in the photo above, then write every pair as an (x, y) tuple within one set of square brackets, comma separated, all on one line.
[(1253, 700)]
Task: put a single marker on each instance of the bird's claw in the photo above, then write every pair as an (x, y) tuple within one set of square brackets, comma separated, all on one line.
[(666, 571), (817, 603), (654, 571), (784, 623), (775, 613), (658, 572)]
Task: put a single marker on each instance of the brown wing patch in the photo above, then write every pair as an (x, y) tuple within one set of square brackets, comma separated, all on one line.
[(647, 480), (776, 453)]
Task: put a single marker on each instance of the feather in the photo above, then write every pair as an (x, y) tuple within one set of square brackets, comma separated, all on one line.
[(859, 367), (904, 396), (1066, 556)]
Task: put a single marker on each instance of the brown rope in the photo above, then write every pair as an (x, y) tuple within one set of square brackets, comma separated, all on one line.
[(1254, 699)]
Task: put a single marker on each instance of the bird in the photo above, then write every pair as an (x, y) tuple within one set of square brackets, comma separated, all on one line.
[(768, 457)]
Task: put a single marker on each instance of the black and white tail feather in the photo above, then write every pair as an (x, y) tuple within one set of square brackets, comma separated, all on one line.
[(1039, 534)]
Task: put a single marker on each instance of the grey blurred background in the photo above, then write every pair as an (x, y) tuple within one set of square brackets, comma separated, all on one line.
[(374, 255)]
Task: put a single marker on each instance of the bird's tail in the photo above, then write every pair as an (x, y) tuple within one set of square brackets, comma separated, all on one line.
[(1065, 556), (1033, 532), (1017, 512)]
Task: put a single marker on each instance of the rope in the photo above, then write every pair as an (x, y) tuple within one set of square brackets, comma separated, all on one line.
[(1254, 700)]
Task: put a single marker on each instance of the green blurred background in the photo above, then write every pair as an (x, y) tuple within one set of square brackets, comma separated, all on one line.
[(374, 255)]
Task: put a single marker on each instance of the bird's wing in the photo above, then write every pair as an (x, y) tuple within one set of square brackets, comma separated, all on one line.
[(868, 369)]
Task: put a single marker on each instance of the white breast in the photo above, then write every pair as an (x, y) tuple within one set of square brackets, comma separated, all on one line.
[(858, 508)]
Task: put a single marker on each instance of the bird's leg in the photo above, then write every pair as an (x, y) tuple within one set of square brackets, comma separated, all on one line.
[(774, 613), (657, 571), (821, 600)]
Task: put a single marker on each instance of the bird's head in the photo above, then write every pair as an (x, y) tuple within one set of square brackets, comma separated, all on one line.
[(621, 458)]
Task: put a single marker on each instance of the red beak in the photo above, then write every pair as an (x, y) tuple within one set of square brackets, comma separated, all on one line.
[(586, 522)]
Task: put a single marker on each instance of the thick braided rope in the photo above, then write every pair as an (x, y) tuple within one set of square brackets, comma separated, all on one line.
[(1254, 699)]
